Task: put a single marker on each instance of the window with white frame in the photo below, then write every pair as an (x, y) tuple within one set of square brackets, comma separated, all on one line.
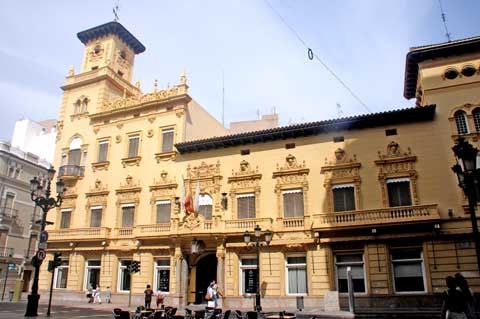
[(61, 275), (65, 217), (293, 203), (92, 274), (249, 275), (205, 205), (102, 151), (399, 192), (162, 275), (133, 143), (167, 140), (407, 267), (246, 205), (355, 261), (128, 215), (343, 197), (164, 208), (296, 275), (96, 216), (124, 276), (461, 122)]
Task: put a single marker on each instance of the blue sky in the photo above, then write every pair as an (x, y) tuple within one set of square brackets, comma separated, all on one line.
[(264, 64)]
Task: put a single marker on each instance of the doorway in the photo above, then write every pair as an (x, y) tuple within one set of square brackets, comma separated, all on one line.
[(206, 272), (27, 274)]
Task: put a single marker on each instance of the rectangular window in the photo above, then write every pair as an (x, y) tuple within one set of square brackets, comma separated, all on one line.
[(249, 274), (124, 276), (399, 192), (128, 215), (205, 204), (355, 261), (102, 151), (92, 273), (65, 218), (164, 208), (162, 275), (133, 143), (297, 275), (74, 157), (96, 216), (246, 206), (407, 267), (343, 197), (61, 275), (8, 204), (167, 140), (293, 203)]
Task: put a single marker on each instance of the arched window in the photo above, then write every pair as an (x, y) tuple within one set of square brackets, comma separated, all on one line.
[(80, 106), (205, 205), (476, 119), (461, 122), (75, 152)]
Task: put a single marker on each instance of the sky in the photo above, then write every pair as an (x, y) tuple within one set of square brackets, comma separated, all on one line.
[(263, 64)]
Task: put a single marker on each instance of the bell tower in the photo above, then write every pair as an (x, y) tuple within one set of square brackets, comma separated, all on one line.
[(110, 45)]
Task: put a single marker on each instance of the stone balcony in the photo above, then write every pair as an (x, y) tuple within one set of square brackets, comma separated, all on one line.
[(71, 172), (78, 234), (376, 217)]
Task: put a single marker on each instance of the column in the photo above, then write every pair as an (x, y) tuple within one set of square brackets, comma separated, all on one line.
[(178, 270), (221, 271)]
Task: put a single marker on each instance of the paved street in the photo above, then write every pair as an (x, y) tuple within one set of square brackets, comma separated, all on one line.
[(17, 310)]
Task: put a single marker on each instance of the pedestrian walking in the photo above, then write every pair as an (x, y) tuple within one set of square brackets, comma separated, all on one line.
[(148, 297), (462, 284), (108, 295), (97, 295), (90, 294), (454, 305), (211, 295)]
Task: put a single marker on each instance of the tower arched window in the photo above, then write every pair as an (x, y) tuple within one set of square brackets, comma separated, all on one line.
[(461, 122), (476, 119), (81, 105), (205, 205)]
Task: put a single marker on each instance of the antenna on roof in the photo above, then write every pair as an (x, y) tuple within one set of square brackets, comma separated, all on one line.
[(223, 98), (115, 11), (339, 110), (447, 34)]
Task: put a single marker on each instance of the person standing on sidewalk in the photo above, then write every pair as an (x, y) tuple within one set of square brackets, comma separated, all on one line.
[(148, 297), (97, 296), (108, 295)]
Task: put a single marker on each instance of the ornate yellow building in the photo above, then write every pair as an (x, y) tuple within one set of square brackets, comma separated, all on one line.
[(374, 192)]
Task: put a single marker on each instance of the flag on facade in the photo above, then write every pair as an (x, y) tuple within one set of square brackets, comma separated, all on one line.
[(182, 193), (197, 197)]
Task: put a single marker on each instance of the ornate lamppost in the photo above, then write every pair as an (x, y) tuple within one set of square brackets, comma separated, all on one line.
[(468, 172), (43, 200), (257, 243)]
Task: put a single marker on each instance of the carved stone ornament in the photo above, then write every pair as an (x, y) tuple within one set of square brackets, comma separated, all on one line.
[(150, 133), (128, 191), (203, 170), (191, 221), (96, 53), (118, 139), (163, 187)]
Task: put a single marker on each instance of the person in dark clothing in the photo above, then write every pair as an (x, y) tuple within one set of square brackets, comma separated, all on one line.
[(462, 284), (454, 305), (148, 297)]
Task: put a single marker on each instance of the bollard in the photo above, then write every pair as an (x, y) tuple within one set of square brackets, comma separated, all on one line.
[(300, 304)]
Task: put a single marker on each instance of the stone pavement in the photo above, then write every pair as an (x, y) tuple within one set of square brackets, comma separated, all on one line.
[(86, 310)]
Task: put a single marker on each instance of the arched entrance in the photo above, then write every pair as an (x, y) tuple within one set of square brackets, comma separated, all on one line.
[(206, 271)]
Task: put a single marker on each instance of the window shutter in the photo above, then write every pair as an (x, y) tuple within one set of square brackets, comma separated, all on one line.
[(246, 206), (163, 212), (399, 194), (74, 157), (95, 217), (128, 216), (133, 146), (293, 204), (167, 140), (343, 199), (102, 151), (65, 222), (206, 211)]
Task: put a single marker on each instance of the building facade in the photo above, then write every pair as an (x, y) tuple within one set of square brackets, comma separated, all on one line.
[(372, 192), (18, 232)]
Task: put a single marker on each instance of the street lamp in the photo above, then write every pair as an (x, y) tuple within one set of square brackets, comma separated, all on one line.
[(468, 173), (43, 200), (257, 243)]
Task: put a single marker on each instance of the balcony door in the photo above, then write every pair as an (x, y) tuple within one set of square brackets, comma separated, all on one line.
[(75, 152)]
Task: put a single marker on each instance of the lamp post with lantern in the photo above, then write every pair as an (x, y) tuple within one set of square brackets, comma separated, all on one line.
[(467, 170), (257, 244), (41, 198)]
